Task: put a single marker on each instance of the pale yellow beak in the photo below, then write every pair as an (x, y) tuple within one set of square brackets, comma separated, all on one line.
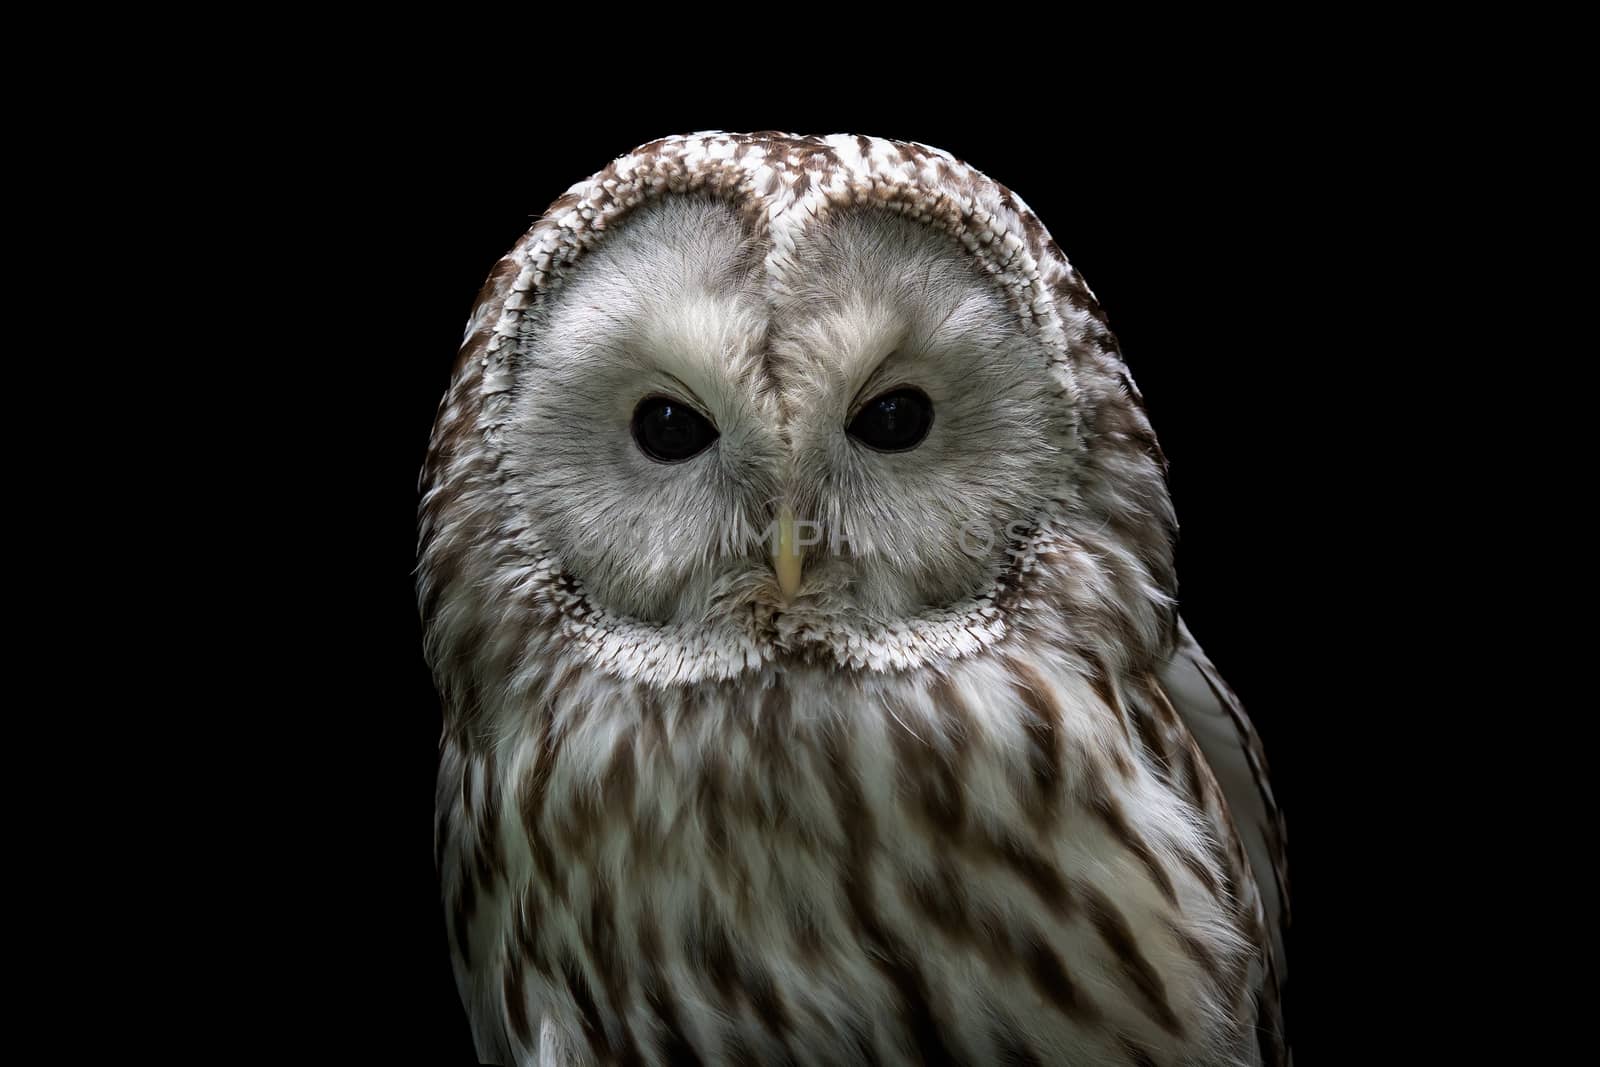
[(786, 554)]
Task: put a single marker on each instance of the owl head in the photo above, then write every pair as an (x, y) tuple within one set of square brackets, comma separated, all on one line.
[(739, 400)]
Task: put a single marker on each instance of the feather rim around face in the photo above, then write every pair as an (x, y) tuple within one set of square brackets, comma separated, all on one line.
[(1111, 470)]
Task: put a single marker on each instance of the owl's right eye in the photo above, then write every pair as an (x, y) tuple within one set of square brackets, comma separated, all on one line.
[(670, 431)]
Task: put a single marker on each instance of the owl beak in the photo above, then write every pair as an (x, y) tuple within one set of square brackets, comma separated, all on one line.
[(786, 554)]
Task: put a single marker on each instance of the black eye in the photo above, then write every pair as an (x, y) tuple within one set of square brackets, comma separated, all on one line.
[(670, 430), (894, 422)]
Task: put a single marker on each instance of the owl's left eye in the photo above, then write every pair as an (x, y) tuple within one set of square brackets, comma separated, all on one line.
[(894, 422), (669, 430)]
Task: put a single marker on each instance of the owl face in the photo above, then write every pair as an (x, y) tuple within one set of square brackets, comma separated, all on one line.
[(673, 407), (744, 397)]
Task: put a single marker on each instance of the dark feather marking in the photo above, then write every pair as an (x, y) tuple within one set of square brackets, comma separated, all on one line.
[(588, 1012), (490, 860), (958, 717), (1150, 739), (765, 999), (1050, 978), (711, 800), (566, 680), (929, 771), (480, 865), (653, 724), (1109, 810), (1230, 883), (604, 950), (737, 1053), (1101, 682), (889, 954), (857, 1033), (710, 947), (1202, 873), (1043, 728), (992, 937), (521, 936), (531, 803), (1014, 1049), (1189, 770), (516, 1001), (1163, 703), (674, 1045), (1113, 930), (961, 734), (771, 742), (900, 968), (606, 955), (939, 899), (806, 931), (1137, 1056), (647, 936), (535, 950), (1195, 949), (618, 781), (1034, 869), (771, 723), (544, 860), (1120, 761)]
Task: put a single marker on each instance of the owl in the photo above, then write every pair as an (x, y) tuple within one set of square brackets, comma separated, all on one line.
[(796, 571)]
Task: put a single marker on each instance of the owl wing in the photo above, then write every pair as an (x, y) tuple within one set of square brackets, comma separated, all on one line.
[(1234, 752)]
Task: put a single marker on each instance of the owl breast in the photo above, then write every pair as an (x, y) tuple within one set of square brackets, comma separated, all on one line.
[(1017, 861)]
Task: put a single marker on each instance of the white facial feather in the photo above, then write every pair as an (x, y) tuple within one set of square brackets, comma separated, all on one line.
[(670, 306), (884, 302)]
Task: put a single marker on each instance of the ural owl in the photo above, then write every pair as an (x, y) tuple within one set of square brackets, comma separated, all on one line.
[(796, 571)]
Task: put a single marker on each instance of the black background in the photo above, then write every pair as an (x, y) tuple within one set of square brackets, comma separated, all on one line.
[(1226, 229)]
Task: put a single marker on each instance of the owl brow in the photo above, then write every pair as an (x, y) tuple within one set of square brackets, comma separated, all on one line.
[(908, 347), (873, 385), (689, 396)]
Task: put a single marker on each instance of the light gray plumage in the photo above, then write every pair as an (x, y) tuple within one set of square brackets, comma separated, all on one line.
[(957, 788)]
